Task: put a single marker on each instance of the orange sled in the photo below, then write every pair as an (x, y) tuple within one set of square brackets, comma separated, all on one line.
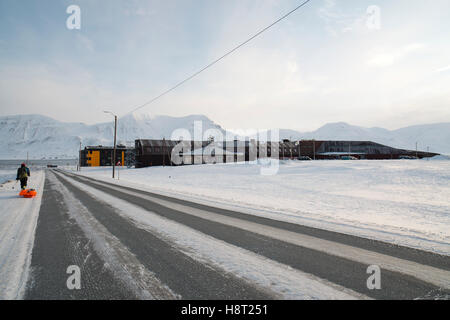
[(28, 193)]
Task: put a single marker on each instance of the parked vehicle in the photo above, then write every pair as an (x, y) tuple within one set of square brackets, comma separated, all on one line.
[(304, 158), (349, 158)]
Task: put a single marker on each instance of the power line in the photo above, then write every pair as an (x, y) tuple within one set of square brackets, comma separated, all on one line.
[(217, 60)]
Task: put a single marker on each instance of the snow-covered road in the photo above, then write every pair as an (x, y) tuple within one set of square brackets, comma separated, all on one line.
[(134, 244), (399, 201), (18, 217), (130, 243)]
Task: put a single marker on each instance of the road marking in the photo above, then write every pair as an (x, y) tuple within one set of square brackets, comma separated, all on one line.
[(268, 274), (122, 262), (435, 276)]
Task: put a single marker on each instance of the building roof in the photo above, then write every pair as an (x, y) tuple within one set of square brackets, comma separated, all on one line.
[(157, 143), (339, 153), (106, 147)]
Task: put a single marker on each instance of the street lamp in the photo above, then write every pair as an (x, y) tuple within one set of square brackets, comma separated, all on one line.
[(115, 135)]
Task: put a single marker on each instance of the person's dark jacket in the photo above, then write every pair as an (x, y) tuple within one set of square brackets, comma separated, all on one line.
[(20, 170)]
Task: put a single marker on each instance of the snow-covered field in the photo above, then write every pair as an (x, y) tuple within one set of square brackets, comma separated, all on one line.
[(6, 175), (400, 201), (18, 218)]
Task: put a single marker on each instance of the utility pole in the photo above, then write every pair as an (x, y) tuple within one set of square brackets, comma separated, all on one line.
[(164, 152), (314, 148), (416, 150), (79, 159), (115, 139), (299, 149)]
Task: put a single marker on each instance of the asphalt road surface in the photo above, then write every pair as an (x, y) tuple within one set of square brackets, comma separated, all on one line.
[(119, 259)]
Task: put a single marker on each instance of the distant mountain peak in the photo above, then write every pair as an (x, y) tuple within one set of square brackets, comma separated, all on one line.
[(138, 116), (340, 124), (43, 136)]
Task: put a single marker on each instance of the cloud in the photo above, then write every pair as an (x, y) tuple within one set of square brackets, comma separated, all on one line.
[(388, 57), (337, 21), (141, 12), (295, 75), (67, 93), (138, 8), (447, 68), (85, 42)]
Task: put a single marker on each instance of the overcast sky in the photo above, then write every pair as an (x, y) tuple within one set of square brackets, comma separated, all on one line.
[(324, 63)]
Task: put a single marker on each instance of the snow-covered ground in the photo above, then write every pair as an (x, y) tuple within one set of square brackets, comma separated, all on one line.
[(7, 175), (281, 280), (400, 201), (18, 218)]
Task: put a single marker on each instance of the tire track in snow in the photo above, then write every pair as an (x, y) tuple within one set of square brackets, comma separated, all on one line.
[(17, 229), (185, 276), (397, 284), (407, 253), (287, 282), (120, 260), (60, 243)]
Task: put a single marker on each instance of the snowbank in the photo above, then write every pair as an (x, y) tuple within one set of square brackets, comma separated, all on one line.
[(403, 202), (7, 175), (440, 157), (18, 218)]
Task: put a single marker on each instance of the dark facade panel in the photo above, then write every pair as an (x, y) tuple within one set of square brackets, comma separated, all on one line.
[(159, 152), (100, 156)]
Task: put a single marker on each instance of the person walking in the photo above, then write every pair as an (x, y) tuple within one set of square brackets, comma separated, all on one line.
[(22, 174)]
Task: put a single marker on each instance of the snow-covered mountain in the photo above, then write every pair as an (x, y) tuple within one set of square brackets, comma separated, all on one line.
[(42, 136), (436, 136)]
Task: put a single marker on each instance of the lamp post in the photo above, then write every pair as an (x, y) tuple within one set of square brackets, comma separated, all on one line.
[(416, 149), (314, 148), (115, 136), (79, 159)]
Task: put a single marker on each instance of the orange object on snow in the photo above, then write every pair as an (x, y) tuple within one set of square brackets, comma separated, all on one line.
[(28, 193)]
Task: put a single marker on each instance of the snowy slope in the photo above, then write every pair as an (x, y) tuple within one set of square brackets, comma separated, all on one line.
[(435, 136), (42, 136)]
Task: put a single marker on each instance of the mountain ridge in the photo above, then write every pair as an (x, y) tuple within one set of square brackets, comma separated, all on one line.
[(43, 136)]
